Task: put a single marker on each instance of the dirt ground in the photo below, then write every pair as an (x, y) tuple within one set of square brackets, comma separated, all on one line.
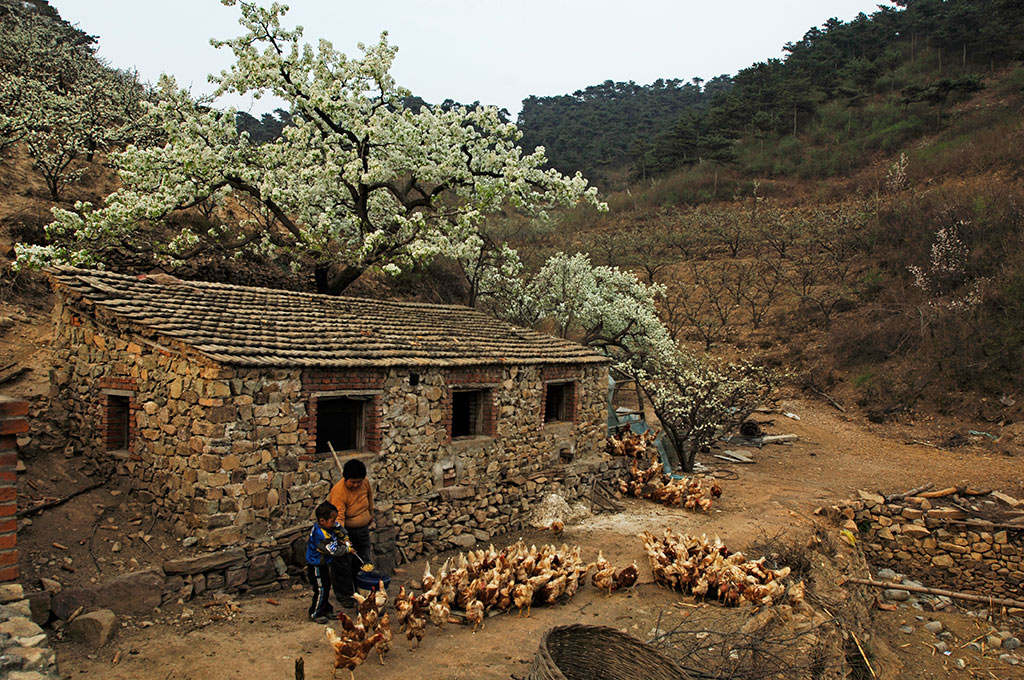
[(832, 459)]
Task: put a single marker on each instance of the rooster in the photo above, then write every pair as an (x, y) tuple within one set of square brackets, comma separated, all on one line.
[(350, 653)]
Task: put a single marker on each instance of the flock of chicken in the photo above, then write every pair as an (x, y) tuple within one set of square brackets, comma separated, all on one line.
[(517, 576), (475, 582), (652, 482), (708, 569), (372, 628)]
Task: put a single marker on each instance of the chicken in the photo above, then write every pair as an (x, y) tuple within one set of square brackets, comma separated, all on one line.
[(475, 613), (386, 636), (403, 606), (367, 611), (716, 489), (416, 623), (353, 630), (380, 597), (428, 579), (603, 577), (350, 653), (439, 613), (627, 577), (522, 596), (557, 527)]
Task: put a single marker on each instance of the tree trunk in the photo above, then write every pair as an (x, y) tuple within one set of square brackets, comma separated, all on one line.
[(334, 278)]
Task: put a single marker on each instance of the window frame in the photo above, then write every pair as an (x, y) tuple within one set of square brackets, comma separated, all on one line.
[(566, 402), (365, 398)]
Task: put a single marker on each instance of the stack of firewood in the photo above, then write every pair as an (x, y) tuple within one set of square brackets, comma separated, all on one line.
[(707, 569)]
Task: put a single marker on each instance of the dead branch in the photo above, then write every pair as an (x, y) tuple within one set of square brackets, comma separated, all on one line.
[(1002, 601), (830, 400), (941, 493), (913, 492), (36, 509)]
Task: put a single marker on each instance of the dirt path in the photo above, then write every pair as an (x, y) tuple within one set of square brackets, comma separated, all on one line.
[(832, 459)]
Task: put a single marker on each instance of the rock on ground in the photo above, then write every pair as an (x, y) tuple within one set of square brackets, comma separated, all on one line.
[(95, 628)]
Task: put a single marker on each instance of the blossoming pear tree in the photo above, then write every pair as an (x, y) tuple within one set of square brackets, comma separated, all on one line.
[(357, 181), (58, 99), (694, 398)]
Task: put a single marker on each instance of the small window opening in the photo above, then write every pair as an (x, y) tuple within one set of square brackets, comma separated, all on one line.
[(118, 415), (339, 420), (414, 379), (468, 413), (556, 402)]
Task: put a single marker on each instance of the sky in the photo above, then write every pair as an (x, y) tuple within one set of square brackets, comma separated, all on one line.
[(495, 51)]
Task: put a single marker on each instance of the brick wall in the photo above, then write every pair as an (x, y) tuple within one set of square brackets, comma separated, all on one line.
[(13, 422)]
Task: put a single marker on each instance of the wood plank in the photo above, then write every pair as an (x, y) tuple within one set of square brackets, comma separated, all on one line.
[(739, 455), (778, 438)]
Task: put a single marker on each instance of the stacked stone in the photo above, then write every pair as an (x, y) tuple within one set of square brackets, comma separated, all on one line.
[(916, 538), (25, 652), (459, 517), (416, 444)]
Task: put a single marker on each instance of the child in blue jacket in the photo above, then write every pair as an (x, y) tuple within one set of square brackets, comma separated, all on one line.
[(327, 542)]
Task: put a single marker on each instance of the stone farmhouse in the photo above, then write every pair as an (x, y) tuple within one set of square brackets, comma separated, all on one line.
[(217, 404)]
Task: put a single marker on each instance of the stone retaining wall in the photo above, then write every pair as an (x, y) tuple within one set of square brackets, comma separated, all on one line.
[(936, 547)]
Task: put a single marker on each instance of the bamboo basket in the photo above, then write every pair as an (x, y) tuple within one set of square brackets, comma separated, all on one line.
[(580, 652)]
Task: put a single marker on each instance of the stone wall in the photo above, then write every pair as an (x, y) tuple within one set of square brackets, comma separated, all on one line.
[(937, 546), (227, 453)]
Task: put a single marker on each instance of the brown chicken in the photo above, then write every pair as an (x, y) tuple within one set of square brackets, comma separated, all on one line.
[(367, 611), (439, 613), (416, 623), (386, 636), (475, 613), (627, 577), (403, 606), (350, 653), (603, 578)]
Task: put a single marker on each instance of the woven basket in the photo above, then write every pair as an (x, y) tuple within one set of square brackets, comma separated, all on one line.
[(581, 652)]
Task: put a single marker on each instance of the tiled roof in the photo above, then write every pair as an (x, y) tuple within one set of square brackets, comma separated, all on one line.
[(244, 326)]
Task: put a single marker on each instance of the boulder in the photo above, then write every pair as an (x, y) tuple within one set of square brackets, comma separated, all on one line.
[(95, 628), (68, 600), (138, 592), (262, 570), (39, 603)]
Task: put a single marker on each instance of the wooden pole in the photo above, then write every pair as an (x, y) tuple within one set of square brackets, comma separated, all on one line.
[(1002, 601), (337, 461)]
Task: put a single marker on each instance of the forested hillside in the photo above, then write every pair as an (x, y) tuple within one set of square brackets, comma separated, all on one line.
[(842, 92)]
